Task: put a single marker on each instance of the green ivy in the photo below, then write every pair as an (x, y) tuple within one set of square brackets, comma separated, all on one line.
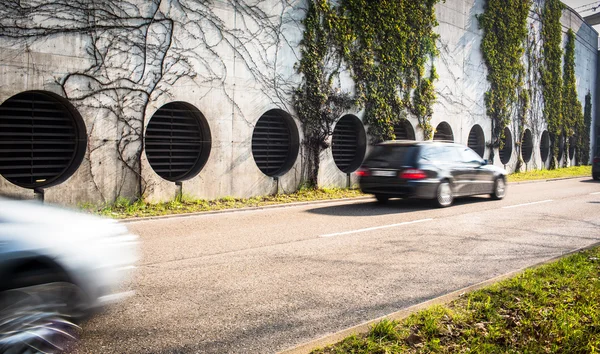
[(504, 24), (387, 46), (572, 117), (551, 79)]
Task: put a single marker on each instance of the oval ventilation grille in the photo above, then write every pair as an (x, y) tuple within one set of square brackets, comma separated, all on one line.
[(527, 147), (271, 144), (404, 131), (443, 132), (572, 143), (561, 147), (175, 142), (476, 140), (348, 144), (545, 146), (506, 150), (40, 140)]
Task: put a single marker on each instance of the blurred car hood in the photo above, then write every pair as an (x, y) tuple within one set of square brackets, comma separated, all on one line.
[(34, 213)]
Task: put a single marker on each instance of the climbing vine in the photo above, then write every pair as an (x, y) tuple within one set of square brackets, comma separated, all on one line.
[(551, 78), (572, 116), (133, 55), (504, 24), (318, 102), (534, 62), (387, 48)]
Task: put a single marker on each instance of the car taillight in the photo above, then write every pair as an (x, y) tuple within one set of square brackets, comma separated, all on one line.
[(596, 159), (363, 172), (413, 174)]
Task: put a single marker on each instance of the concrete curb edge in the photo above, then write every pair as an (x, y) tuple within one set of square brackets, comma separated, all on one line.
[(363, 328)]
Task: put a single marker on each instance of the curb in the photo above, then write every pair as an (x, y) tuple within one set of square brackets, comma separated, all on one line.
[(293, 204), (233, 210), (365, 327)]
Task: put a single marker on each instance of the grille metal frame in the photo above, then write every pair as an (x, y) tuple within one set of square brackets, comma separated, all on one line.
[(177, 141), (42, 139), (275, 143), (506, 152), (476, 140), (404, 130), (348, 144), (527, 146), (443, 132)]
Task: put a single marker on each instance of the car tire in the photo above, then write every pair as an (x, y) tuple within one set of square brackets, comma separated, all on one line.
[(443, 195), (382, 199), (39, 317), (596, 177), (499, 189)]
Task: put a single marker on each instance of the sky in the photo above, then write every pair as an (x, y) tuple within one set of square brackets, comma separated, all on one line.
[(584, 7)]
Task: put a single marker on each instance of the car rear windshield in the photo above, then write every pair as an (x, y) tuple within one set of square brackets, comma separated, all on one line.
[(396, 155)]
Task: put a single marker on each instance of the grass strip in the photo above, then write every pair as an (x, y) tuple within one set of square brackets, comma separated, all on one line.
[(123, 208), (553, 308), (574, 171)]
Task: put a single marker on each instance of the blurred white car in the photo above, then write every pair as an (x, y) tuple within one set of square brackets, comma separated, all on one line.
[(56, 266)]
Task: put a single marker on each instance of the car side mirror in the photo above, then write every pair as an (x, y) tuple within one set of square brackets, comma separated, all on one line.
[(484, 162)]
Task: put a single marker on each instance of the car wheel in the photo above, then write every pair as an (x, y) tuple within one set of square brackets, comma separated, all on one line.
[(596, 177), (499, 189), (444, 197), (39, 318), (382, 199)]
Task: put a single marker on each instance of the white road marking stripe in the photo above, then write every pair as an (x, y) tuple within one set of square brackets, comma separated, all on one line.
[(375, 228), (520, 205), (595, 193)]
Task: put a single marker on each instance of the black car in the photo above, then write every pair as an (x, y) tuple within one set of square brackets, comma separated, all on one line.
[(429, 170)]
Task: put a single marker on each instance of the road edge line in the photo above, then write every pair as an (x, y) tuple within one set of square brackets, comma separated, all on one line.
[(365, 327)]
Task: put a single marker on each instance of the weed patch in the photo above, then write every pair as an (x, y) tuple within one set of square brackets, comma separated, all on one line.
[(124, 208)]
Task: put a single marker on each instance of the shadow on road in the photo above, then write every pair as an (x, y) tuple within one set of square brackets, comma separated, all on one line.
[(589, 181), (393, 206)]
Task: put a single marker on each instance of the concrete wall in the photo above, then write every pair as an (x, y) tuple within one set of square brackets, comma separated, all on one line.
[(235, 81)]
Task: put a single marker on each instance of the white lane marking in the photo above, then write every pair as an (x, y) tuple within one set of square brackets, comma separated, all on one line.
[(595, 193), (520, 205), (375, 228)]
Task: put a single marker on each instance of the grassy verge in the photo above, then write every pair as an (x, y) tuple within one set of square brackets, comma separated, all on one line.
[(123, 208), (551, 309), (575, 171)]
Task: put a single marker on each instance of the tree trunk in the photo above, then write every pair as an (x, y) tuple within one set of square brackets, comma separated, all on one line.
[(312, 162), (553, 154)]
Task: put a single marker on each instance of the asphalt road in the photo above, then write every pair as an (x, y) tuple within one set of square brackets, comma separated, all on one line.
[(267, 280)]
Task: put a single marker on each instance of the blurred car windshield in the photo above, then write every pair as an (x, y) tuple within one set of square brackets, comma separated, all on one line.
[(396, 154), (440, 154)]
